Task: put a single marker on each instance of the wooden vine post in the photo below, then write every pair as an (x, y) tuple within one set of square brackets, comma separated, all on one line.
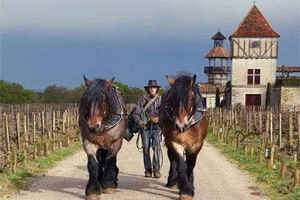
[(296, 177), (291, 129), (18, 130), (34, 138), (25, 138), (298, 121), (280, 130)]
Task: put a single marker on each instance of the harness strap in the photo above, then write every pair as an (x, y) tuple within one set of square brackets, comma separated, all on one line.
[(150, 102)]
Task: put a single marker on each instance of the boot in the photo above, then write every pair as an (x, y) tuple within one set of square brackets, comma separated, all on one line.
[(148, 173), (157, 174)]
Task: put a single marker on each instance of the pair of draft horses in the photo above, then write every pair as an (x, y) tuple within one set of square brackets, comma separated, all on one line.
[(103, 145)]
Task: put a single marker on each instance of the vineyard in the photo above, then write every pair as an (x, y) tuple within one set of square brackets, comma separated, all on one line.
[(31, 131), (268, 137), (265, 136)]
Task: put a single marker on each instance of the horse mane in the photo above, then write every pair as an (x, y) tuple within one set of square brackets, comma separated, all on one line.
[(180, 89), (95, 92)]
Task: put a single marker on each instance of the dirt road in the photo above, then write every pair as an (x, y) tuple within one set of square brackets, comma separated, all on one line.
[(215, 179)]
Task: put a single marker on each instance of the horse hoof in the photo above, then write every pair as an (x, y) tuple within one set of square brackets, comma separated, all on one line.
[(185, 197), (109, 190), (93, 197), (173, 187)]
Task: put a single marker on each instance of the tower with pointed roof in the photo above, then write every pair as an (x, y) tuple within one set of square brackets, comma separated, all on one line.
[(218, 58), (254, 51)]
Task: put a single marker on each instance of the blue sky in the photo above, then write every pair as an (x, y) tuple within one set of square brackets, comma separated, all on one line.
[(57, 41)]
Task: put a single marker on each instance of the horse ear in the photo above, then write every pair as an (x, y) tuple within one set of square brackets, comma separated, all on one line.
[(110, 82), (86, 81), (193, 80), (171, 80)]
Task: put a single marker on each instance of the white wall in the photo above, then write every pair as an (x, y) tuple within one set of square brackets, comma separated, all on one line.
[(240, 70), (239, 94)]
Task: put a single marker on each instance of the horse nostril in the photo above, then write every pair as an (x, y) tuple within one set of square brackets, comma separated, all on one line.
[(98, 126)]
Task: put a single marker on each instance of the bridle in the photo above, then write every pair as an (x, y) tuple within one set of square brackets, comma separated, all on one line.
[(170, 113)]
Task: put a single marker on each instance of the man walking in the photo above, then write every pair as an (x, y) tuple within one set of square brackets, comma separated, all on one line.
[(146, 116)]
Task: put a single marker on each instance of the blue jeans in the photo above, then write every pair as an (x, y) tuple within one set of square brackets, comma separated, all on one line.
[(151, 138)]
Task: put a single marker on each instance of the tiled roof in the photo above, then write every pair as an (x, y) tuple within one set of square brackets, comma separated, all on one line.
[(218, 36), (218, 52), (288, 68), (255, 25)]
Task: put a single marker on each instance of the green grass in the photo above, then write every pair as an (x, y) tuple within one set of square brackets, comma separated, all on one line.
[(269, 180), (10, 182)]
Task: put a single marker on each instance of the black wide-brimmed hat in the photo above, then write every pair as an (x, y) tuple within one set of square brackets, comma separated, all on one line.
[(152, 83)]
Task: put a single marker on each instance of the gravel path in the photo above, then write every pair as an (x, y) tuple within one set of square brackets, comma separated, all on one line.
[(215, 179)]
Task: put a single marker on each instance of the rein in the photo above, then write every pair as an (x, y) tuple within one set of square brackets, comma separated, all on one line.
[(172, 117)]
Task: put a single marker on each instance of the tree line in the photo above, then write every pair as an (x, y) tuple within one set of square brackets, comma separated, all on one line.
[(15, 93)]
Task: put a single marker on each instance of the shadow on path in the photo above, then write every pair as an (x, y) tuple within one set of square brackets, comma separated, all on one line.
[(127, 182)]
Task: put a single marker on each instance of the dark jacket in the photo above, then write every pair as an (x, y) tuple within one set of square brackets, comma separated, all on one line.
[(152, 111)]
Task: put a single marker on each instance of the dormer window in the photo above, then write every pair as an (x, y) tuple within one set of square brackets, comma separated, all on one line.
[(255, 44)]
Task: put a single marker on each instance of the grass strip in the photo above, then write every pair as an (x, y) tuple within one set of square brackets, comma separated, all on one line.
[(269, 180), (10, 183)]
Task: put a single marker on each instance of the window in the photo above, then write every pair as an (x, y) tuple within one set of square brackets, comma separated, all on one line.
[(255, 44), (250, 76), (257, 77), (253, 76)]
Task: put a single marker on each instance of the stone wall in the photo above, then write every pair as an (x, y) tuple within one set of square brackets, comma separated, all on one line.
[(290, 96)]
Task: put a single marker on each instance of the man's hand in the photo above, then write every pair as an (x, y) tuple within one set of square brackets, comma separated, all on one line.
[(154, 120), (142, 124)]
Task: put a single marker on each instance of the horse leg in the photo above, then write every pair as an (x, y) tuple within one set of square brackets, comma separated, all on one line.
[(186, 190), (110, 177), (93, 188), (101, 156), (172, 178), (191, 159)]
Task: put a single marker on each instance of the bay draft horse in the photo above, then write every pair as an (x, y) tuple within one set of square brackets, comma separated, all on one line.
[(178, 106), (100, 145)]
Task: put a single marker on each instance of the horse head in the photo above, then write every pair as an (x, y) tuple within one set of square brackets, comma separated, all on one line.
[(181, 100), (93, 107)]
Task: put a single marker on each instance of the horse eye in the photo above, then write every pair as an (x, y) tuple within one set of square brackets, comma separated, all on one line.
[(86, 116)]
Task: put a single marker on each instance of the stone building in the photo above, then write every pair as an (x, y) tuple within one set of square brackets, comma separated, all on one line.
[(252, 64), (254, 51)]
